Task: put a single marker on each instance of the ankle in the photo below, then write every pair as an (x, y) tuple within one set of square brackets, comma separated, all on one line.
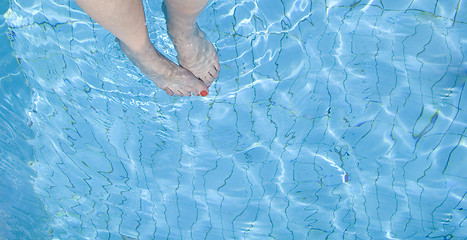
[(182, 33), (138, 46)]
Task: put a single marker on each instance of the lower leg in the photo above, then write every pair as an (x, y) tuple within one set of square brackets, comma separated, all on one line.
[(123, 18), (183, 14)]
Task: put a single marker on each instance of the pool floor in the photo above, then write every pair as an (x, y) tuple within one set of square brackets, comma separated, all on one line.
[(329, 120)]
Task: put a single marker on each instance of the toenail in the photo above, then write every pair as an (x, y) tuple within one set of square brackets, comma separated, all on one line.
[(204, 93)]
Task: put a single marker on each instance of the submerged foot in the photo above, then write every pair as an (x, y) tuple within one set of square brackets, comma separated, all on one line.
[(167, 75), (195, 52)]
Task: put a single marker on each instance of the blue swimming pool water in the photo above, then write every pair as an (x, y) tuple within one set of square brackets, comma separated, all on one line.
[(330, 120)]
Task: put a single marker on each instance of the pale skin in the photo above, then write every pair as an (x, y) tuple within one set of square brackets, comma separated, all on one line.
[(199, 63)]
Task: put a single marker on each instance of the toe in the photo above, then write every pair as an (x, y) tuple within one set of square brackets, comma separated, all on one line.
[(185, 93), (214, 72), (169, 91), (198, 89), (206, 78), (178, 93), (204, 93)]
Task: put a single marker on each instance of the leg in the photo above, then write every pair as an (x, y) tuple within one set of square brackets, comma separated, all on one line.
[(195, 52), (125, 20)]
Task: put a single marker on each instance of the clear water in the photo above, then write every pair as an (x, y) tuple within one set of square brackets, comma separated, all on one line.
[(330, 120)]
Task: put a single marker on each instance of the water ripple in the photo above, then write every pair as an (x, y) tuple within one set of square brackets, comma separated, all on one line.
[(331, 119)]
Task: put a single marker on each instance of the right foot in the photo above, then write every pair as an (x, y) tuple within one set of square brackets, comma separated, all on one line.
[(167, 75), (195, 53)]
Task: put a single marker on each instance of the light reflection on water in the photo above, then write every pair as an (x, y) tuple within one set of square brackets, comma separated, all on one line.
[(334, 119)]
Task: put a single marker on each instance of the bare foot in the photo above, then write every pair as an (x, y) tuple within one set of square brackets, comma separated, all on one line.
[(195, 52), (163, 72)]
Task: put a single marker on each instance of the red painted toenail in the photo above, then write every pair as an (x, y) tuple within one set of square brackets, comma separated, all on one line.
[(204, 93)]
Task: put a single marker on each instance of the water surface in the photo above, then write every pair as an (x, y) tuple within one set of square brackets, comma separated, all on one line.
[(330, 119)]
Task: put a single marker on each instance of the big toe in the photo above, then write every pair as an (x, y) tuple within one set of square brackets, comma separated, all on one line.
[(198, 87)]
